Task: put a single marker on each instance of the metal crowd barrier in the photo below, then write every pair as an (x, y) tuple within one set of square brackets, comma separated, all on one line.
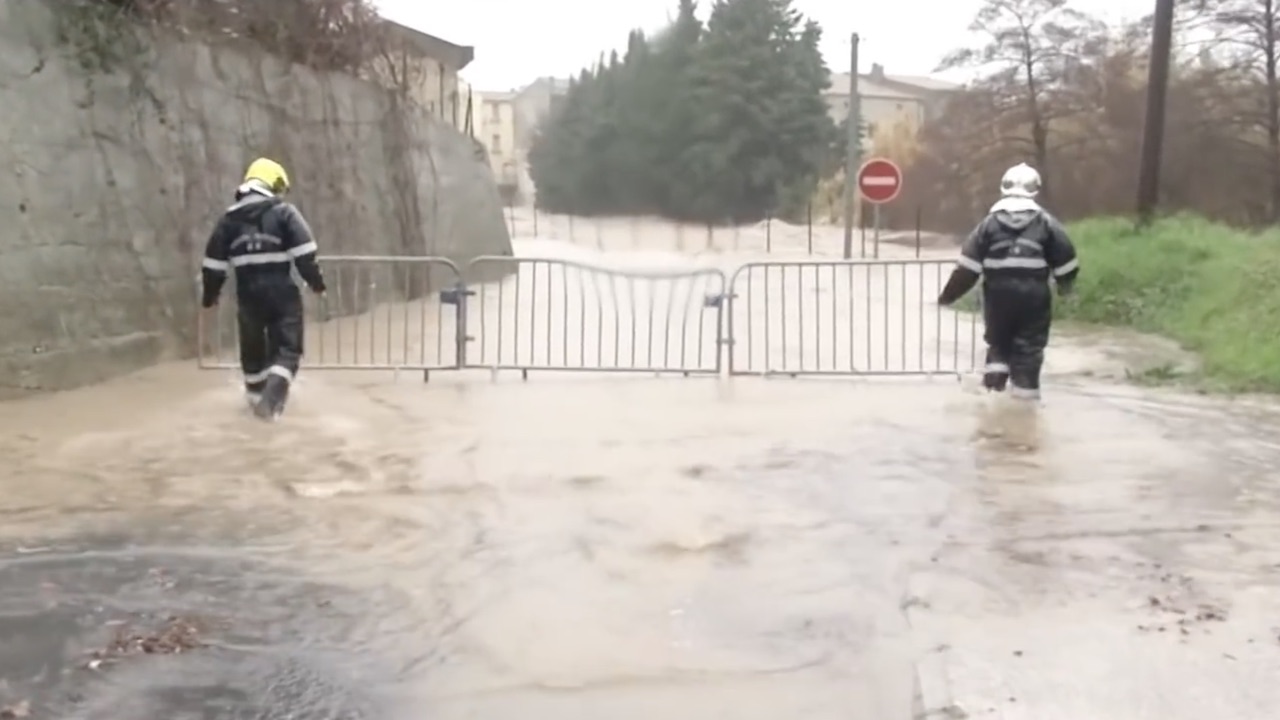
[(379, 313), (552, 314), (847, 317), (498, 313)]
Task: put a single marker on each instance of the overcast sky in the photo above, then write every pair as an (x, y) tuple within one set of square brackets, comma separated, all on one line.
[(517, 41)]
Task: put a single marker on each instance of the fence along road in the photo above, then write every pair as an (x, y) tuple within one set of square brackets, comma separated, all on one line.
[(808, 317), (809, 237)]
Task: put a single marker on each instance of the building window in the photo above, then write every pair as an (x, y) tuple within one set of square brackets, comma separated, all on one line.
[(495, 147), (495, 112)]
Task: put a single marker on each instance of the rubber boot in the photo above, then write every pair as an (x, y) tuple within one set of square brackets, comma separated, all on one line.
[(274, 396), (253, 393), (995, 375), (995, 381)]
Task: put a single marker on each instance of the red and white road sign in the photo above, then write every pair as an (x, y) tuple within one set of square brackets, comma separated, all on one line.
[(879, 180)]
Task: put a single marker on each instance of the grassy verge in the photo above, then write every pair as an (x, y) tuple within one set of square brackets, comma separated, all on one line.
[(1214, 289)]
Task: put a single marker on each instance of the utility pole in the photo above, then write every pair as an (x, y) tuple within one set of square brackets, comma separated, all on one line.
[(853, 152), (1153, 127)]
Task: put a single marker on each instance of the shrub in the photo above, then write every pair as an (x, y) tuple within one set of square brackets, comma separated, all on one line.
[(339, 35)]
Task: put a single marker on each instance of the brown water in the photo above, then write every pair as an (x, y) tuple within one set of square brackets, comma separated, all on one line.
[(583, 547)]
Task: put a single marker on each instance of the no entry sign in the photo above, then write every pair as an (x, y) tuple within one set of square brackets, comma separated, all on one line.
[(879, 180)]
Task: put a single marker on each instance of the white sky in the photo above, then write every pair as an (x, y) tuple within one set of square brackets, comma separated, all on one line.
[(517, 41)]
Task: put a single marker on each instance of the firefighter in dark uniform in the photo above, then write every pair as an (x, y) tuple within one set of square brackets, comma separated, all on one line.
[(261, 238), (1018, 251)]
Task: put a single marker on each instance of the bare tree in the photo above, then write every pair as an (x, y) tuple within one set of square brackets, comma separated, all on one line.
[(1252, 29), (396, 65), (1088, 112), (324, 34), (1031, 52)]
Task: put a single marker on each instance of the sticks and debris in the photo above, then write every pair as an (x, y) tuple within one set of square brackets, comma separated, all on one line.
[(175, 636)]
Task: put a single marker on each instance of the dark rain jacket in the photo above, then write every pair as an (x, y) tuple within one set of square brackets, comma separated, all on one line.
[(260, 238)]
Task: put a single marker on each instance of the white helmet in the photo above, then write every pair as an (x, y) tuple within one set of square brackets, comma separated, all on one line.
[(1021, 180)]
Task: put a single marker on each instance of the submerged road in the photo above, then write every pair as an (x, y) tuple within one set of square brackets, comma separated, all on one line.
[(585, 546)]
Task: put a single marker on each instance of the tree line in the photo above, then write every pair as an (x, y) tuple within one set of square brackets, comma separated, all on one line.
[(722, 122), (1066, 92), (727, 122)]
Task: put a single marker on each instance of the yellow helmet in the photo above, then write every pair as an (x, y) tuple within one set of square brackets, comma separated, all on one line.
[(269, 173)]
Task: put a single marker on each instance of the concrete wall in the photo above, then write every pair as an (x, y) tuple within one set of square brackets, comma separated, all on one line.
[(111, 182)]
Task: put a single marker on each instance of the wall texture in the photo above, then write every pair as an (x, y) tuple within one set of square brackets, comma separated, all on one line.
[(113, 169)]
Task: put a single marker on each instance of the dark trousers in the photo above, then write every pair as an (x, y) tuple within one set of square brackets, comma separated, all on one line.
[(271, 335), (1017, 323)]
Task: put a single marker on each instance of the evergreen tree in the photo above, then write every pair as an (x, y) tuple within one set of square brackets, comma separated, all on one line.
[(672, 112), (837, 155), (763, 127), (805, 121), (637, 174), (722, 123), (557, 163)]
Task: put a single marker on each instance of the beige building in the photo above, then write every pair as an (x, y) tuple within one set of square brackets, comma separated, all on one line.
[(426, 68), (886, 101), (531, 105), (495, 128)]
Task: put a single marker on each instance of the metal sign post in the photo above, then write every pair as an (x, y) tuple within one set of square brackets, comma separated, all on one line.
[(862, 231), (875, 219), (880, 182)]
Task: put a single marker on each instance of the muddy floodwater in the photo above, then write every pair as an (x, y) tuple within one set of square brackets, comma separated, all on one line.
[(587, 546)]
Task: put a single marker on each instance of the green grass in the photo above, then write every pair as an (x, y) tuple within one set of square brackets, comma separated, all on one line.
[(1213, 289)]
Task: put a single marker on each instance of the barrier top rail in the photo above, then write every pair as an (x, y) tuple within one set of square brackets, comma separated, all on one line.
[(412, 259), (838, 262), (622, 271)]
